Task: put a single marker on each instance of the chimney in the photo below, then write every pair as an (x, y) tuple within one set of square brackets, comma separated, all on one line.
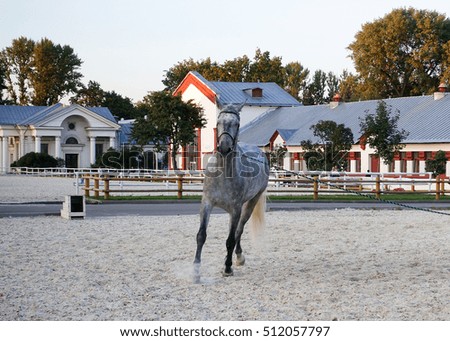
[(441, 93), (335, 101)]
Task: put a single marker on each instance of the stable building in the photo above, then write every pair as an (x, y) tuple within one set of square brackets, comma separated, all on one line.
[(74, 133), (426, 118), (258, 97)]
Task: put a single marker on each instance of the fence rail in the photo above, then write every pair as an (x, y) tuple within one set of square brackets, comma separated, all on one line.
[(315, 185)]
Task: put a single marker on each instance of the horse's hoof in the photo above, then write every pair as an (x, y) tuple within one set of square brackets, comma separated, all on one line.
[(227, 272), (240, 259), (196, 274)]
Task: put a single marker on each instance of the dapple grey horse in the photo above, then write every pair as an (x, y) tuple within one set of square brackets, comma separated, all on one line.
[(236, 178)]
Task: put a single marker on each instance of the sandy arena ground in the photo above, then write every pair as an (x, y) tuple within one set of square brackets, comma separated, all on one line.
[(308, 265)]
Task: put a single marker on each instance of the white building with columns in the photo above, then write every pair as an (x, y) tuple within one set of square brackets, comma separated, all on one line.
[(74, 133)]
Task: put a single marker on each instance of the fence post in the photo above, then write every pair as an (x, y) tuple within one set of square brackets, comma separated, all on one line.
[(438, 187), (96, 187), (316, 188), (180, 186), (86, 185), (106, 186), (443, 185), (377, 187)]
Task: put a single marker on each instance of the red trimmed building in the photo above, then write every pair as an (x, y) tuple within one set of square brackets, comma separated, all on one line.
[(426, 118), (259, 98)]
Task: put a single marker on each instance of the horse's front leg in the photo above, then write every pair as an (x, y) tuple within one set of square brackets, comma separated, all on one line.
[(231, 241), (205, 212)]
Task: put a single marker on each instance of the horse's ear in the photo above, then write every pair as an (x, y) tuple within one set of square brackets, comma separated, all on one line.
[(219, 103), (240, 106)]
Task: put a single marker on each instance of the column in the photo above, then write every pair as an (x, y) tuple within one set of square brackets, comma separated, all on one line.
[(409, 166), (5, 163), (1, 154), (112, 142), (37, 144), (353, 166), (21, 144), (57, 146), (92, 150)]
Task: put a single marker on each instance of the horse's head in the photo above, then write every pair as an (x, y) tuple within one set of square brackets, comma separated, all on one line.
[(228, 128)]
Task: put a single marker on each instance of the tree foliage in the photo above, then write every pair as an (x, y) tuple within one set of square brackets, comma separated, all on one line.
[(93, 95), (401, 54), (276, 156), (55, 72), (381, 132), (329, 151), (39, 73), (262, 68), (18, 59), (437, 165), (3, 87), (126, 157), (38, 160), (296, 78), (168, 122)]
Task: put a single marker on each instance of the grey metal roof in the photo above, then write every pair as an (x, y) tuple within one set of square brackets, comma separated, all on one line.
[(125, 133), (13, 114), (42, 114), (235, 93), (23, 115), (427, 120)]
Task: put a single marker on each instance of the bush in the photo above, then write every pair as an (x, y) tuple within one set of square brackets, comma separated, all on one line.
[(438, 164), (37, 160)]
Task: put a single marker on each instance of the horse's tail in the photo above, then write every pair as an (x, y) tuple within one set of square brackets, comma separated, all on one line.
[(257, 220)]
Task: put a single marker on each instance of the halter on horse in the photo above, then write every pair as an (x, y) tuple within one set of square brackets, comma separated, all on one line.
[(235, 180)]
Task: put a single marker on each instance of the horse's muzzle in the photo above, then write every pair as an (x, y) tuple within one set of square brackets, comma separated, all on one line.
[(225, 145)]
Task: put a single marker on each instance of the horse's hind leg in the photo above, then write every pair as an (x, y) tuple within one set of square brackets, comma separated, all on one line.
[(205, 212), (247, 211)]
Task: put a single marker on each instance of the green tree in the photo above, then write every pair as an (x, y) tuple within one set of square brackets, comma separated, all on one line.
[(266, 69), (3, 86), (276, 156), (349, 87), (120, 106), (91, 95), (295, 78), (38, 160), (235, 70), (126, 157), (332, 84), (39, 73), (329, 151), (169, 122), (55, 72), (381, 132), (315, 91), (263, 68), (437, 165), (446, 64), (402, 53), (18, 60), (206, 67)]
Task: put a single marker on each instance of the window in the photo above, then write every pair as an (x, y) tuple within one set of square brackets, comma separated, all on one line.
[(44, 148), (403, 162), (71, 140), (98, 150)]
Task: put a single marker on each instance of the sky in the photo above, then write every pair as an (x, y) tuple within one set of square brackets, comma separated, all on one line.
[(126, 45)]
